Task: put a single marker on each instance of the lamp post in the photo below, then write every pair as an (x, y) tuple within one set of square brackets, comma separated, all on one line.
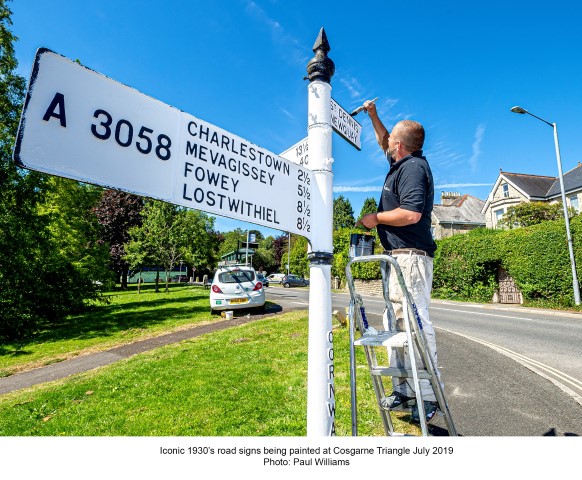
[(566, 219), (247, 251)]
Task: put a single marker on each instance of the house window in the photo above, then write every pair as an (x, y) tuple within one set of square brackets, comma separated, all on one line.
[(498, 215), (505, 188), (574, 203)]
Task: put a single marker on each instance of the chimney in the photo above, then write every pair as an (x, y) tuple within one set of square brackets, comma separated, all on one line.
[(448, 198)]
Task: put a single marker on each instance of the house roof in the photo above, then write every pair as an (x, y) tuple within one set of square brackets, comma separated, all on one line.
[(572, 181), (539, 187), (465, 209), (531, 185)]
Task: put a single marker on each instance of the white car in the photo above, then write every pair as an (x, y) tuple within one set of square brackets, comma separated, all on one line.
[(275, 277), (236, 287)]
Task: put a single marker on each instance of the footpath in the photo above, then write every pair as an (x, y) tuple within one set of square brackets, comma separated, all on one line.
[(90, 361)]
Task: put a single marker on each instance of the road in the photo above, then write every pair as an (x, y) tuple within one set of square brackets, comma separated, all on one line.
[(507, 370)]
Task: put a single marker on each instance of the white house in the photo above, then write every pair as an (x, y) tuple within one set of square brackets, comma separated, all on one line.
[(514, 188)]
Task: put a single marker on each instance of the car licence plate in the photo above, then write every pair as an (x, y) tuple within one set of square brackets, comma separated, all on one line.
[(238, 300)]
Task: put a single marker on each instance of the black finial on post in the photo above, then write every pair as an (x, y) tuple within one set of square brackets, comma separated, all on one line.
[(321, 67)]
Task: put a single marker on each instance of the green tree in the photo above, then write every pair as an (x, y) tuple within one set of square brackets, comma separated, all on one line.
[(74, 229), (117, 212), (232, 240), (343, 213), (370, 206), (39, 282), (280, 246), (169, 234), (236, 239), (531, 213), (264, 256), (202, 242), (298, 262)]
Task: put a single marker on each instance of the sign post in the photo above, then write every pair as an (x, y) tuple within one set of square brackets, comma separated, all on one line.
[(320, 376), (79, 124)]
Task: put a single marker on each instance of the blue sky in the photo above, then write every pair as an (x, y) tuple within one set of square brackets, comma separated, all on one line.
[(455, 66)]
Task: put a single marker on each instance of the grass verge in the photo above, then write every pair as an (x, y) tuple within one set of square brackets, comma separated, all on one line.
[(127, 317), (246, 381)]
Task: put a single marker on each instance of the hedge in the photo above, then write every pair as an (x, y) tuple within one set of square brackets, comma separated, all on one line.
[(466, 266), (535, 257)]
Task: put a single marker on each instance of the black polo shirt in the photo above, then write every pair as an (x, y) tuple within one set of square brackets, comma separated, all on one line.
[(408, 185)]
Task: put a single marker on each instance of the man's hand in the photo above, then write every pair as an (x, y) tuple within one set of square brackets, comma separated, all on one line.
[(370, 108), (369, 221)]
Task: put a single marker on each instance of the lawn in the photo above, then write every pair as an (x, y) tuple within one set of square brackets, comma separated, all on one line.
[(126, 317), (249, 380)]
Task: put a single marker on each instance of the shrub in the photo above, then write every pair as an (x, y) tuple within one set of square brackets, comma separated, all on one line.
[(535, 257)]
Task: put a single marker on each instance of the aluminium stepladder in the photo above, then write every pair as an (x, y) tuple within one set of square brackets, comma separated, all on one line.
[(412, 338)]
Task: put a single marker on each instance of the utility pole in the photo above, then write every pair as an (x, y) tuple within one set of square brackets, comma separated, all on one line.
[(247, 251)]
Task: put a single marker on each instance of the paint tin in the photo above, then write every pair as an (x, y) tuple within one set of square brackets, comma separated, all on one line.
[(361, 245)]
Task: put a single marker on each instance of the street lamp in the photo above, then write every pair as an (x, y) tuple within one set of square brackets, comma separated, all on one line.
[(566, 219)]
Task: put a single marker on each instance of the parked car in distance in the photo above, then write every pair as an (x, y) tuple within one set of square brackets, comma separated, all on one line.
[(294, 281), (275, 277), (235, 288), (263, 279)]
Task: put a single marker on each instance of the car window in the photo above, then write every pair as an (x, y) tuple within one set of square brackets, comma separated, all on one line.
[(236, 277)]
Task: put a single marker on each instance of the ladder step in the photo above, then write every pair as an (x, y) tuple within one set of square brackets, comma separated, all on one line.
[(398, 372), (383, 339)]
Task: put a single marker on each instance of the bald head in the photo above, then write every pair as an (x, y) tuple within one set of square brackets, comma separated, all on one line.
[(410, 133)]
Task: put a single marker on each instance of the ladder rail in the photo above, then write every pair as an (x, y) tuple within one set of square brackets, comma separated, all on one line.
[(353, 395), (414, 335), (415, 379), (355, 314)]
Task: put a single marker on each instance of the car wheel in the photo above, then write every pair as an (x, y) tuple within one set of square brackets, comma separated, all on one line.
[(286, 285)]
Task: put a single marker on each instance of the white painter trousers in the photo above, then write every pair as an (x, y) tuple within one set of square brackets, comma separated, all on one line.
[(417, 271)]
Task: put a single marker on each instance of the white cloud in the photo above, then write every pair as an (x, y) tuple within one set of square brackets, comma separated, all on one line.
[(378, 188), (287, 113), (441, 156), (462, 185), (352, 85), (479, 133), (293, 49), (370, 188)]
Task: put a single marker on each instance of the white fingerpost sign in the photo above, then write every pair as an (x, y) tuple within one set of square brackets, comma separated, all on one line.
[(344, 124), (298, 153), (79, 124)]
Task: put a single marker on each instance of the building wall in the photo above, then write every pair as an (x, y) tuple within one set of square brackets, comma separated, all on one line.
[(502, 202), (577, 200), (448, 230)]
